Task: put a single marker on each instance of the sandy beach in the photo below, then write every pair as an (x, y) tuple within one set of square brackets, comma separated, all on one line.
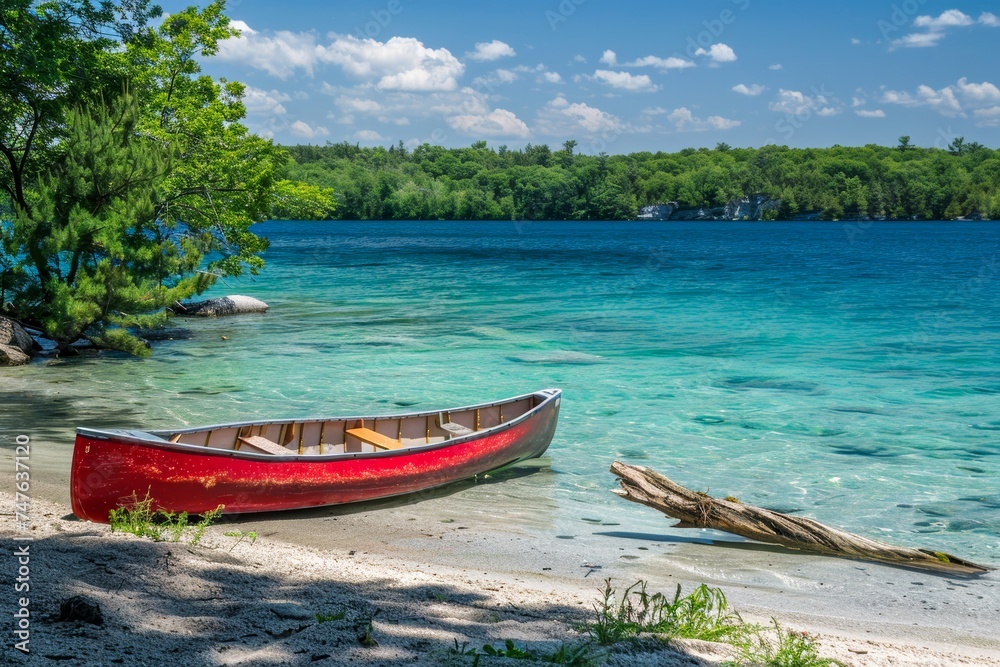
[(442, 573)]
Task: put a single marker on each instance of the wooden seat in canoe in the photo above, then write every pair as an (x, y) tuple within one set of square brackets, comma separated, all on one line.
[(374, 438), (265, 445), (455, 430)]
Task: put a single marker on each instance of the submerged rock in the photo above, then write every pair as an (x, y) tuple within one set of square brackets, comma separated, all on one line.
[(16, 346), (227, 305)]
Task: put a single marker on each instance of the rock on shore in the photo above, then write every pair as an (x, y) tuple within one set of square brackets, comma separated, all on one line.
[(16, 346), (227, 305)]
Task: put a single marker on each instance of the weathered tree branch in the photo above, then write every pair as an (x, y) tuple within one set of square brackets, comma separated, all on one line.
[(697, 510)]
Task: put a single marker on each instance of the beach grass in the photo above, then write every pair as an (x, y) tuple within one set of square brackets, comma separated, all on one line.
[(138, 517)]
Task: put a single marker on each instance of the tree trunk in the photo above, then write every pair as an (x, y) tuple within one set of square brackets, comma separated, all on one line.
[(698, 510)]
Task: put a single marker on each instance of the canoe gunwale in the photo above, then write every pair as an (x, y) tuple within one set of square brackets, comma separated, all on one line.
[(156, 438)]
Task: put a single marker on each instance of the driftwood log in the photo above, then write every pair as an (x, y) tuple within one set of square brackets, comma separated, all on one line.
[(698, 510)]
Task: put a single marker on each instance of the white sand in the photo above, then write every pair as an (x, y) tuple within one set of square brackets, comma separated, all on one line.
[(429, 574)]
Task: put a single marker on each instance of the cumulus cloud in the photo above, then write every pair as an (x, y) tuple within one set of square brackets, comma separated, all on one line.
[(264, 102), (870, 113), (753, 90), (718, 53), (989, 117), (633, 83), (776, 67), (359, 105), (497, 123), (950, 18), (978, 92), (401, 63), (936, 27), (949, 101), (561, 117), (368, 135), (280, 54), (302, 129), (550, 77), (797, 103), (488, 51), (685, 121), (672, 62), (609, 58)]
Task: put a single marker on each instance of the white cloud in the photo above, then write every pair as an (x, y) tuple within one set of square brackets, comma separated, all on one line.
[(978, 92), (401, 63), (496, 78), (919, 40), (870, 113), (948, 19), (937, 26), (369, 135), (279, 55), (356, 104), (560, 117), (855, 41), (685, 121), (487, 51), (989, 20), (551, 77), (497, 123), (580, 59), (797, 103), (634, 83), (943, 101), (242, 27), (989, 117), (776, 67), (718, 53), (752, 90), (949, 101), (672, 62), (609, 57), (264, 102), (303, 129)]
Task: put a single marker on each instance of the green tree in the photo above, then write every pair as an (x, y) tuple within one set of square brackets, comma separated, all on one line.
[(116, 209)]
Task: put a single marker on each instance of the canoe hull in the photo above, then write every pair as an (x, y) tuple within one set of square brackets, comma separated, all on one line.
[(109, 470)]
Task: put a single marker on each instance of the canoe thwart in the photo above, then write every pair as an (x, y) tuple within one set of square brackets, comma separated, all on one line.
[(374, 438), (456, 430), (265, 445)]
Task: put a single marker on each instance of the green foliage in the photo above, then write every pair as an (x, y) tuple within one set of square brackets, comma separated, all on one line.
[(139, 518), (785, 649), (241, 535), (702, 614), (127, 181), (326, 618), (536, 183)]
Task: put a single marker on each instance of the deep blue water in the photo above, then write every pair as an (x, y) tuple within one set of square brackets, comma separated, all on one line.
[(849, 373)]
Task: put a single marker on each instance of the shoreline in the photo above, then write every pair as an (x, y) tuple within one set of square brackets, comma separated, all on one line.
[(439, 575)]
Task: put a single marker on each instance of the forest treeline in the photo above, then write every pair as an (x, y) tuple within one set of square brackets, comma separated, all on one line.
[(538, 183)]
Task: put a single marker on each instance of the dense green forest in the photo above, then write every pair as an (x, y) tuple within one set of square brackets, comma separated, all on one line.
[(536, 183)]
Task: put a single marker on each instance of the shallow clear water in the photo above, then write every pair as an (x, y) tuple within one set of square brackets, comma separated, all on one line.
[(850, 374)]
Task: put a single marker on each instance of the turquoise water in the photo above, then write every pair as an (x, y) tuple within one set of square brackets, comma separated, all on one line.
[(849, 373)]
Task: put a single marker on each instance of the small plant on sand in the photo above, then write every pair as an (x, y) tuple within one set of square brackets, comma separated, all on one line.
[(248, 535), (786, 648), (702, 614), (139, 518), (335, 616)]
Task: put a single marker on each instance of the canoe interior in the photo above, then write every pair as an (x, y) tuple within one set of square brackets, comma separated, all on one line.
[(324, 437)]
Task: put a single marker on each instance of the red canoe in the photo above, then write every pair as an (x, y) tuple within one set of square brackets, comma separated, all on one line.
[(293, 464)]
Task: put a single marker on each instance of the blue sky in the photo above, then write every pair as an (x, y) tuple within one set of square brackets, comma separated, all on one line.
[(618, 76)]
